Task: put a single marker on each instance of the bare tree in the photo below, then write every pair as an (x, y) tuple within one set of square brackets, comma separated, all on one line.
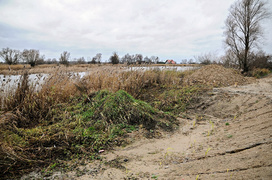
[(31, 56), (191, 61), (155, 59), (147, 60), (139, 58), (229, 59), (133, 59), (126, 59), (243, 28), (81, 60), (54, 61), (64, 58), (98, 57), (184, 61), (114, 59), (41, 60), (93, 61), (10, 56), (207, 58)]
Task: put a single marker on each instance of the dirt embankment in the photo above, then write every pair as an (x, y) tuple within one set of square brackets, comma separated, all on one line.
[(217, 76), (227, 136)]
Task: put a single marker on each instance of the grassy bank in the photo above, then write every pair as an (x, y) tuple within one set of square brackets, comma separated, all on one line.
[(70, 119)]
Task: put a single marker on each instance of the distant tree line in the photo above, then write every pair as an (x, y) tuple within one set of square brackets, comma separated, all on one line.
[(33, 57), (30, 56), (133, 59), (188, 61)]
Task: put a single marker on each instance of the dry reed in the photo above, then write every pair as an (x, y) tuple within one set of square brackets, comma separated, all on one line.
[(132, 82), (14, 67)]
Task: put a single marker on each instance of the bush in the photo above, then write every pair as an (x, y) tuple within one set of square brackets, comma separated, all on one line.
[(258, 73)]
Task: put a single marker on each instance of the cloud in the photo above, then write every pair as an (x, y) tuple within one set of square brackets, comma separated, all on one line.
[(167, 28)]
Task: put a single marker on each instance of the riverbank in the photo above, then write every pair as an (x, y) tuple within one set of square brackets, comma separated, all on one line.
[(72, 122)]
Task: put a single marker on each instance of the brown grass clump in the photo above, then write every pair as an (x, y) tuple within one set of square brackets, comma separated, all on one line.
[(32, 106), (216, 76)]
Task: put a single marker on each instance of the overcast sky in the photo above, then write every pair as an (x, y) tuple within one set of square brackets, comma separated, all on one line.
[(170, 29)]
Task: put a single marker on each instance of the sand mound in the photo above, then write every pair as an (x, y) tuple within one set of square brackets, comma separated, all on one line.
[(216, 76)]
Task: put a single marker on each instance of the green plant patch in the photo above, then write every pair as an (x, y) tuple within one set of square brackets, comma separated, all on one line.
[(78, 129), (122, 108)]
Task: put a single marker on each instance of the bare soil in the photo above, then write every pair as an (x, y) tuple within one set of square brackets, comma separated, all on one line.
[(227, 136)]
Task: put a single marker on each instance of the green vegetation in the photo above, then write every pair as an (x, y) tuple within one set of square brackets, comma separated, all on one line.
[(73, 119), (229, 136), (154, 176)]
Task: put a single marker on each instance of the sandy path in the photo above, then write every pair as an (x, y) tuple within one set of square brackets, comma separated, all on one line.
[(228, 136)]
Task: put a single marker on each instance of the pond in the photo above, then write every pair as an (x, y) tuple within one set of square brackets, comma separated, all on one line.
[(10, 82)]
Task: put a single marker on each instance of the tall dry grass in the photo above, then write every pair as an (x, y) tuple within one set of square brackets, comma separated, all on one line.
[(14, 67), (32, 106), (132, 82)]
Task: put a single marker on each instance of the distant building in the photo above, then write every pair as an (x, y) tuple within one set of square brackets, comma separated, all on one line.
[(170, 61)]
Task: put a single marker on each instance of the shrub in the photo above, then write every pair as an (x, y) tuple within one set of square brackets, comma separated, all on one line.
[(32, 106), (258, 73)]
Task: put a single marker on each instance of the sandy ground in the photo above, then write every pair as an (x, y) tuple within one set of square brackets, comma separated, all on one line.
[(227, 136)]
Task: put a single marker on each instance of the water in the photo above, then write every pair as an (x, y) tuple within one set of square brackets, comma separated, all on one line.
[(11, 82)]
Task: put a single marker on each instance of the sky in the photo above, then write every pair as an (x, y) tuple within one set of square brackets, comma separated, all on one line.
[(169, 29)]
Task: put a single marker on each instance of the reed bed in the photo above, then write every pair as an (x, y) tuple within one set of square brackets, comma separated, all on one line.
[(14, 67), (132, 82)]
